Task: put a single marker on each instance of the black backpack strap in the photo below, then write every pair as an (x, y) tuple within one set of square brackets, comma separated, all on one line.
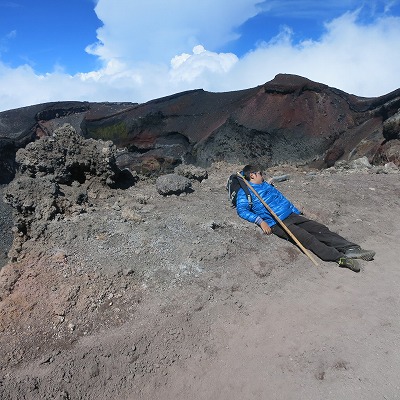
[(246, 190)]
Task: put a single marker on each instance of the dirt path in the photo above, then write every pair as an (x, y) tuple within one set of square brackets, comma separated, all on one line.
[(332, 337)]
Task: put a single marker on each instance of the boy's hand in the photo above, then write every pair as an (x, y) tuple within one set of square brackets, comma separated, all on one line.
[(265, 228)]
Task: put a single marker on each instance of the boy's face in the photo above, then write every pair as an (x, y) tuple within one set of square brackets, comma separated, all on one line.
[(256, 177)]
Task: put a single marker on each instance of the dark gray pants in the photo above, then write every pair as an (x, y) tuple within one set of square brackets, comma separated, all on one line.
[(327, 245)]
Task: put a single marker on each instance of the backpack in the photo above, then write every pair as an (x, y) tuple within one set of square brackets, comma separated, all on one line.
[(233, 185)]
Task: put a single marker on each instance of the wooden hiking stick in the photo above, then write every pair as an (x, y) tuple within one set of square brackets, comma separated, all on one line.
[(279, 221)]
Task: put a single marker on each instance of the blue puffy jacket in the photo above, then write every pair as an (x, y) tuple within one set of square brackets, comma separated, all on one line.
[(278, 203)]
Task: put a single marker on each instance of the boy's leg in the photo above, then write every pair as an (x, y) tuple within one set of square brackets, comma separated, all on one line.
[(323, 233), (310, 242), (331, 239)]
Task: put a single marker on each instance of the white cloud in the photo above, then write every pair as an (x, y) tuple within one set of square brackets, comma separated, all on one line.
[(152, 50), (188, 68), (157, 30), (359, 59)]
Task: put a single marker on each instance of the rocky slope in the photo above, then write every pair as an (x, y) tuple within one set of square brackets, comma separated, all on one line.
[(6, 223), (116, 291)]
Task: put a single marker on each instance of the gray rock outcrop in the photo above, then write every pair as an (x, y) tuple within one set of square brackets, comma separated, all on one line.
[(172, 184), (67, 157), (191, 172), (391, 127), (54, 177)]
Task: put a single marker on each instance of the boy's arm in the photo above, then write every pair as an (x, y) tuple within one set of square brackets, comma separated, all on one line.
[(244, 211), (243, 207)]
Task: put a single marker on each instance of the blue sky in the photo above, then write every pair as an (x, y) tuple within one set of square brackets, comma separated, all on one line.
[(134, 50), (46, 34)]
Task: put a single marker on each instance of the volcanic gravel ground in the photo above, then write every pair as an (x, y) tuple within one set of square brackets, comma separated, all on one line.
[(151, 297)]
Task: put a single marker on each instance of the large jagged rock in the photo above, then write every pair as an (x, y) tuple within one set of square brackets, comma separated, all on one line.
[(68, 157), (290, 119), (55, 175)]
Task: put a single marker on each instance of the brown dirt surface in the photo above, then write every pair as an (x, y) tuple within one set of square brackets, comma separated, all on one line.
[(151, 297)]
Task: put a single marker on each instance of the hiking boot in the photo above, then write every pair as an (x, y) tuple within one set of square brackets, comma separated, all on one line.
[(358, 252), (345, 262)]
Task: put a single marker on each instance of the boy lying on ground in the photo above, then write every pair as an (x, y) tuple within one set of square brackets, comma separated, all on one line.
[(327, 245)]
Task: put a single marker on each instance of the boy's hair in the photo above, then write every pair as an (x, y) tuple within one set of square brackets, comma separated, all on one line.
[(250, 169)]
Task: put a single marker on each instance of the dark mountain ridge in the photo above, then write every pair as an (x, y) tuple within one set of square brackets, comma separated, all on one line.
[(288, 120)]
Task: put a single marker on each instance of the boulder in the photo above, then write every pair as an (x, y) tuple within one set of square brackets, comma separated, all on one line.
[(191, 172), (172, 184), (360, 163)]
